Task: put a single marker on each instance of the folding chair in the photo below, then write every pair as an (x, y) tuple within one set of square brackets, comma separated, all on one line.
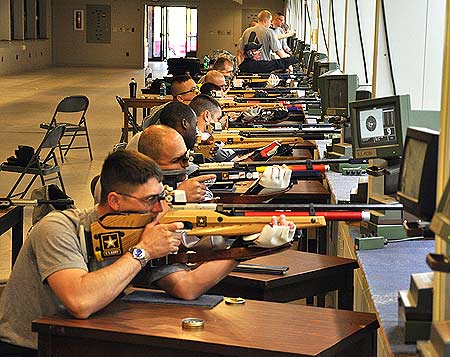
[(37, 167), (133, 126), (71, 104)]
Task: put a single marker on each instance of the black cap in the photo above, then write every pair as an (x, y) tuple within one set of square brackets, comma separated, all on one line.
[(252, 46)]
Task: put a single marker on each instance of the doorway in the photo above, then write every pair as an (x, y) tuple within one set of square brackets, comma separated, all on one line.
[(171, 32)]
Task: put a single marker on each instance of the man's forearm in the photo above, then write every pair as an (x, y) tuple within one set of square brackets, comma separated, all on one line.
[(85, 293), (282, 54), (190, 285)]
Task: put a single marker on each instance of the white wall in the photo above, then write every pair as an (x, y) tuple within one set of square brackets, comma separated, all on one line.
[(339, 23), (416, 42), (416, 39), (322, 48), (353, 52), (434, 55)]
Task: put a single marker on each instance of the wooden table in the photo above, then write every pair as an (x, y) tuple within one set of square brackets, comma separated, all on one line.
[(308, 275), (304, 191), (256, 328), (147, 102), (12, 217)]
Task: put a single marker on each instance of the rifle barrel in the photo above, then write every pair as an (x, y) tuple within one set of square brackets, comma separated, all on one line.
[(301, 162), (25, 202), (307, 207), (329, 215)]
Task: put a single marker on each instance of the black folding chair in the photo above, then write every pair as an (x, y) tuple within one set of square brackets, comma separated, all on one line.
[(37, 167), (71, 104), (133, 126)]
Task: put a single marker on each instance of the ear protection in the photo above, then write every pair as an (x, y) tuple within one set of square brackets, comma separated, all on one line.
[(251, 38), (249, 54)]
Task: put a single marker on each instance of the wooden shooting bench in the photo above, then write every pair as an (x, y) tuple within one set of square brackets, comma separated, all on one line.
[(305, 191), (256, 328), (145, 102), (12, 218), (308, 275)]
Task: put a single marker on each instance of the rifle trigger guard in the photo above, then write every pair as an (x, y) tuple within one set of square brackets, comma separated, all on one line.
[(309, 165)]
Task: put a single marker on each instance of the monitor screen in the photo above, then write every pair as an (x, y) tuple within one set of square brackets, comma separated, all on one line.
[(418, 172), (306, 58), (319, 69), (441, 219), (379, 126), (440, 223), (311, 59), (337, 93), (413, 161)]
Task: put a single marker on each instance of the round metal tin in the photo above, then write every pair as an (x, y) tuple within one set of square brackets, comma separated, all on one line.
[(190, 323), (234, 301)]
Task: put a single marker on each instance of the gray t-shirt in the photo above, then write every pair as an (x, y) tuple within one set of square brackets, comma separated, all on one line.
[(279, 31), (261, 35), (154, 115), (52, 245)]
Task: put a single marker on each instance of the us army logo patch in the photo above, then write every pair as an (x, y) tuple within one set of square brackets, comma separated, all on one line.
[(201, 221), (111, 244)]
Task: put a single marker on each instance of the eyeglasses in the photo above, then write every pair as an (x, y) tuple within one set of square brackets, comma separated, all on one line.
[(193, 89), (150, 200)]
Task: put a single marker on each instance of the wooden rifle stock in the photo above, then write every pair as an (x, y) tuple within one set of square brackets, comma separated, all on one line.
[(231, 106), (115, 233), (236, 141)]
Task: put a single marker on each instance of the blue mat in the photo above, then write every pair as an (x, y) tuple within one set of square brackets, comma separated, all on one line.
[(156, 297), (388, 270)]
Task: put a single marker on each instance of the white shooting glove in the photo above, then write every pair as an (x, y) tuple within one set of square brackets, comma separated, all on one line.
[(238, 83), (271, 236), (275, 178), (250, 114), (273, 81)]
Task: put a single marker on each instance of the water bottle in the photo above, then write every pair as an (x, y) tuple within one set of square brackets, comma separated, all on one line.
[(133, 88), (205, 63), (162, 90)]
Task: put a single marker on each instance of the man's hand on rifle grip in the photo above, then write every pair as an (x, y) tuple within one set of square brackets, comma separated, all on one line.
[(195, 188), (159, 240)]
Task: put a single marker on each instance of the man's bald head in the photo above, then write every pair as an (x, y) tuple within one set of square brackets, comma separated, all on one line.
[(215, 77), (164, 145)]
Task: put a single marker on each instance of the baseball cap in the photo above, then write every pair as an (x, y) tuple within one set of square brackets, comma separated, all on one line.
[(252, 46)]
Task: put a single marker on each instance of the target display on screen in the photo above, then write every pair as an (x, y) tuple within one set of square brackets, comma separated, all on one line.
[(377, 126)]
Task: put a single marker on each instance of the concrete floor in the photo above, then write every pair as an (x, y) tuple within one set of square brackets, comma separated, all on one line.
[(29, 99)]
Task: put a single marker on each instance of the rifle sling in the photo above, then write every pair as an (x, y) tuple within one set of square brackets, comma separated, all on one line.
[(240, 254)]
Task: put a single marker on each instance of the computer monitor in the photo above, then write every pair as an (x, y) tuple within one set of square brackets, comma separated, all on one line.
[(305, 59), (336, 91), (440, 224), (292, 42), (309, 65), (299, 47), (321, 67), (418, 172), (379, 126)]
